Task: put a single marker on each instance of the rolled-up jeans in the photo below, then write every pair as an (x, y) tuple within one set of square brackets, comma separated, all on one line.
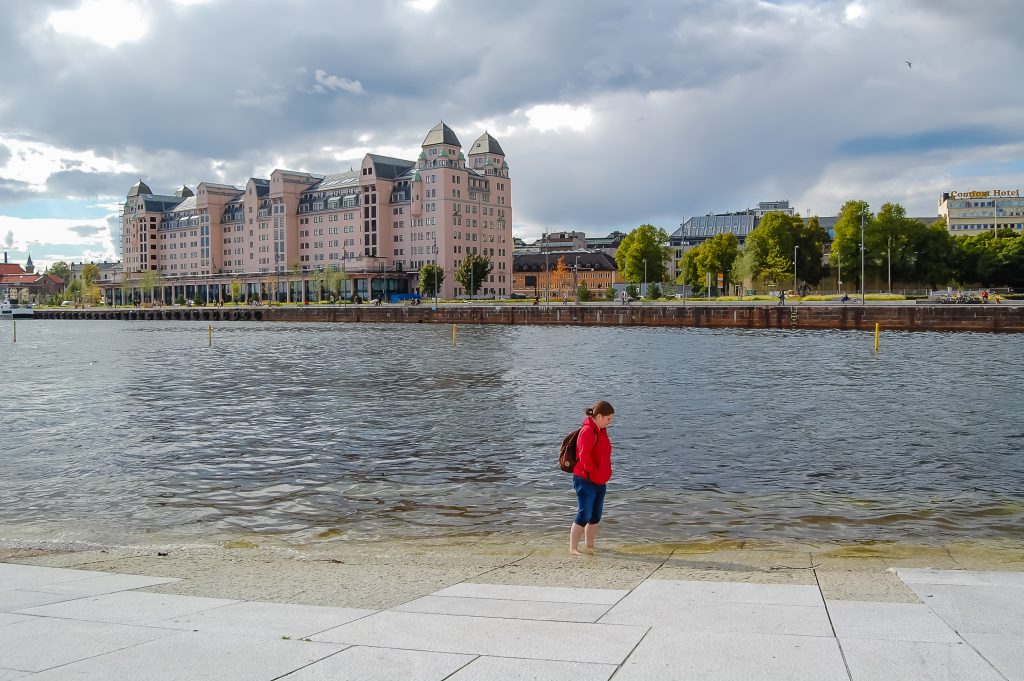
[(591, 501)]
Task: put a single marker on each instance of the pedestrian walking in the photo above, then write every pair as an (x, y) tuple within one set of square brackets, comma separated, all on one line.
[(591, 475), (782, 297)]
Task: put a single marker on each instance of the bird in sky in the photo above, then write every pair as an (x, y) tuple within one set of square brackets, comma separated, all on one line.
[(909, 65)]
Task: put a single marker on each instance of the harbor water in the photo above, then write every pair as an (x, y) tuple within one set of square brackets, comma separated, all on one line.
[(129, 432)]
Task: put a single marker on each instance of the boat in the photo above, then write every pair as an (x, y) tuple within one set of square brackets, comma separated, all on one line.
[(9, 310)]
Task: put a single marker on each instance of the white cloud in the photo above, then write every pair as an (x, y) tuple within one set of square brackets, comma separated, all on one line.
[(28, 234), (553, 117), (33, 162), (107, 22), (325, 82), (855, 12), (422, 5)]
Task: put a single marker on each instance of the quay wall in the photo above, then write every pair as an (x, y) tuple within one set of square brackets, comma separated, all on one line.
[(991, 317)]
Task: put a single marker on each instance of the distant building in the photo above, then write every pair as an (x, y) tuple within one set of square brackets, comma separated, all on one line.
[(609, 244), (974, 212), (18, 283), (535, 273), (379, 224)]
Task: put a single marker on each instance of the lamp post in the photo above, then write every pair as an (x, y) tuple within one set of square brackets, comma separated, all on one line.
[(645, 276), (862, 258), (684, 270), (888, 251), (839, 257), (435, 267), (547, 271), (795, 249), (576, 275)]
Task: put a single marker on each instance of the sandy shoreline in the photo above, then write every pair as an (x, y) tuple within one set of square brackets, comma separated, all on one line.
[(384, 574)]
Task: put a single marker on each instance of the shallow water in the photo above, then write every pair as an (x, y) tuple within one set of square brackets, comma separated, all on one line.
[(125, 432)]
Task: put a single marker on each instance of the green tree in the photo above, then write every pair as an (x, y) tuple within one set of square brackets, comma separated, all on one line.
[(63, 270), (90, 274), (846, 244), (609, 293), (473, 271), (691, 275), (297, 278), (779, 237), (336, 282), (236, 290), (633, 291), (319, 280), (149, 281), (715, 255), (645, 243), (930, 254), (583, 294), (431, 280), (653, 291)]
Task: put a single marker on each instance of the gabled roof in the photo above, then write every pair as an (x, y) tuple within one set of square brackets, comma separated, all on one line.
[(187, 204), (589, 260), (11, 268), (441, 134), (485, 144)]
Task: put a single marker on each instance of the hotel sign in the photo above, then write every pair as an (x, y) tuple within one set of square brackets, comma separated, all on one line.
[(998, 193)]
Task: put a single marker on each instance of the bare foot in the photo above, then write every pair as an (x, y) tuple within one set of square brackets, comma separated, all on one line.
[(574, 552), (590, 547)]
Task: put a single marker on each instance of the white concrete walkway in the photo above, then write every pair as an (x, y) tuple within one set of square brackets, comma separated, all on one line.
[(59, 624)]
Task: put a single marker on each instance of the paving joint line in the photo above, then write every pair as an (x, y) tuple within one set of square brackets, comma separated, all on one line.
[(839, 643)]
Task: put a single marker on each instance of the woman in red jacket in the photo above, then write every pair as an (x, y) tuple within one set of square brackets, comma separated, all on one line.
[(593, 470)]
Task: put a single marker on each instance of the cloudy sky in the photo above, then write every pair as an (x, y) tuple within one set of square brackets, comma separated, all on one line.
[(612, 113)]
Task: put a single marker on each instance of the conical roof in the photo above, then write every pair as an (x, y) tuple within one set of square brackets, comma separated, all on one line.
[(485, 144), (184, 192), (441, 134), (140, 188)]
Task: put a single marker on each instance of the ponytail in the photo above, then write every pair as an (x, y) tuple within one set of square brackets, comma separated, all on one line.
[(600, 408)]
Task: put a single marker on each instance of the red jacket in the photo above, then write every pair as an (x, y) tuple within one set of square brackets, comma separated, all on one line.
[(593, 454)]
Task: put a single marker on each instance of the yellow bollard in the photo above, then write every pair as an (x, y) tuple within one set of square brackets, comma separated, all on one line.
[(209, 336), (876, 336), (454, 329)]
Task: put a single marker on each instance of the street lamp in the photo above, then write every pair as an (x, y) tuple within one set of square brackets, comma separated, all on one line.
[(862, 258), (795, 249), (839, 257), (435, 267), (547, 270), (888, 250), (645, 275)]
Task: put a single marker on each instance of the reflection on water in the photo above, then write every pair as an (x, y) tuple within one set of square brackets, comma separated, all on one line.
[(133, 431)]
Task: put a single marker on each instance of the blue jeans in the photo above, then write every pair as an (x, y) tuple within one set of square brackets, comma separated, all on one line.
[(591, 501)]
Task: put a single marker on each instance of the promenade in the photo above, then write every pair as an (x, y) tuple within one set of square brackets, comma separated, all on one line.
[(906, 623)]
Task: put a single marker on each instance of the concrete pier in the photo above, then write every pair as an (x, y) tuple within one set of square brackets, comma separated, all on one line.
[(905, 317)]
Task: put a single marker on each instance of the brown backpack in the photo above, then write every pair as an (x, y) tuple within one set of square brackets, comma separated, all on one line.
[(567, 454)]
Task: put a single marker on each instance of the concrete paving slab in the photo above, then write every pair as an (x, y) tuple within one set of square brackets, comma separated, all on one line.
[(14, 576), (573, 642), (1003, 652), (266, 620), (725, 592), (513, 669), (18, 599), (106, 584), (8, 618), (976, 609), (41, 643), (11, 674), (890, 622), (961, 577), (749, 618), (533, 593), (494, 607), (362, 663), (128, 607), (669, 654), (874, 660), (189, 656)]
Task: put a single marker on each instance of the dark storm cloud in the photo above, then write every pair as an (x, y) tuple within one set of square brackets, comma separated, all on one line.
[(697, 106), (83, 185)]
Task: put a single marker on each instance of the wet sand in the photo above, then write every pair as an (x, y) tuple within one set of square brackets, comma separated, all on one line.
[(384, 574)]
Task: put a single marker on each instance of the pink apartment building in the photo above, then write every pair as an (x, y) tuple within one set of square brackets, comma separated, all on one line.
[(379, 224)]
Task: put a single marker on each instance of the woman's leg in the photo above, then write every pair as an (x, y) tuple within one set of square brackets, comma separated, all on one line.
[(595, 515), (585, 495), (575, 532)]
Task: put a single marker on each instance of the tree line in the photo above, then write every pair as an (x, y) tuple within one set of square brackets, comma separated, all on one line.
[(909, 249)]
